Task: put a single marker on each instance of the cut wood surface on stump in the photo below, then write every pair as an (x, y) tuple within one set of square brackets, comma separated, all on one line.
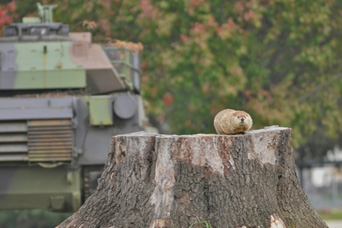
[(154, 180)]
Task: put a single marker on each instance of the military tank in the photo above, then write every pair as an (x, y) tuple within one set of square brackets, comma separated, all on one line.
[(62, 98)]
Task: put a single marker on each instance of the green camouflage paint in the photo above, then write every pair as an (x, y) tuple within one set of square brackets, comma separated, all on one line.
[(43, 65)]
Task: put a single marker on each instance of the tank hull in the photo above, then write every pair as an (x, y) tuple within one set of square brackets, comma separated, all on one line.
[(47, 143), (57, 189)]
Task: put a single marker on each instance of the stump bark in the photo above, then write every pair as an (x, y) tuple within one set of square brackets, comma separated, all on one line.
[(153, 180)]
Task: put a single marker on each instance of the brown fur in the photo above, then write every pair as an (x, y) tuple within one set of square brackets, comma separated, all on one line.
[(230, 121)]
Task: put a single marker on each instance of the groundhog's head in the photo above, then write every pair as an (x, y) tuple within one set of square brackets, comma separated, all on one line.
[(241, 121)]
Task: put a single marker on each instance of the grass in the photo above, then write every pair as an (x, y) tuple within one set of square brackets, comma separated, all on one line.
[(330, 214), (201, 224)]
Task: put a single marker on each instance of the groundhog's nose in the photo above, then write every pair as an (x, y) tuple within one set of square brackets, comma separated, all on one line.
[(242, 120)]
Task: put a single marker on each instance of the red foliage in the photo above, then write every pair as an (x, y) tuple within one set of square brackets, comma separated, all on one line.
[(187, 123), (184, 38), (196, 3), (198, 28), (239, 7), (249, 94), (12, 6), (147, 8), (144, 65), (7, 13), (201, 60), (168, 99), (249, 15)]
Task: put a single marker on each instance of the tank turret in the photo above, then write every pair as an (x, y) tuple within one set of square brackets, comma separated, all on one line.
[(43, 55)]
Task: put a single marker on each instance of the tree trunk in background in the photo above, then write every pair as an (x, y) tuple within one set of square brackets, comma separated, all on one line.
[(153, 180)]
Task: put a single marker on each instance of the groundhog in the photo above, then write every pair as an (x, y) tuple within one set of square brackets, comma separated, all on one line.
[(230, 121)]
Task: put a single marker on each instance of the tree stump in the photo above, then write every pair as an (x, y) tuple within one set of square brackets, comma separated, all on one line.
[(154, 180)]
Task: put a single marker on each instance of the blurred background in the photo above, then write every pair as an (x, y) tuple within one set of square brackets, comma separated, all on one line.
[(279, 60)]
